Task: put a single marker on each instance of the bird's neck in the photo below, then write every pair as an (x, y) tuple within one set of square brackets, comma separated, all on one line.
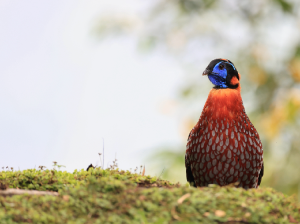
[(224, 104)]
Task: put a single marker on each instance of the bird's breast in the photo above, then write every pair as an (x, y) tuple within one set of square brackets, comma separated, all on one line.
[(224, 146)]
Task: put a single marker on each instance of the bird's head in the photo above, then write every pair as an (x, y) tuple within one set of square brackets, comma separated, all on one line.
[(222, 73)]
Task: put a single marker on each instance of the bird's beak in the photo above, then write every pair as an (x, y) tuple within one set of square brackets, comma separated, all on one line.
[(206, 72)]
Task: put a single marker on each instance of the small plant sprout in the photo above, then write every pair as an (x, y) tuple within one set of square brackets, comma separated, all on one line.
[(143, 173), (142, 170), (100, 160), (141, 167), (41, 167), (100, 155), (103, 152), (55, 165), (59, 166), (114, 165)]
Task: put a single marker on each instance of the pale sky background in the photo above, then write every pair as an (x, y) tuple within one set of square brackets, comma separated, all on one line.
[(62, 91)]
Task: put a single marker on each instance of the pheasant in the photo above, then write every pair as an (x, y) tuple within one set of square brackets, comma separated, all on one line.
[(224, 146)]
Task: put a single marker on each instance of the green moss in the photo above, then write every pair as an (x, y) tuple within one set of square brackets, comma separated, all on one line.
[(53, 180), (113, 196)]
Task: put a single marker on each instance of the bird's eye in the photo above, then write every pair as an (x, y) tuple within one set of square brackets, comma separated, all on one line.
[(221, 66)]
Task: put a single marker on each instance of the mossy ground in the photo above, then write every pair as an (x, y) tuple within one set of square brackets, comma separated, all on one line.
[(113, 196)]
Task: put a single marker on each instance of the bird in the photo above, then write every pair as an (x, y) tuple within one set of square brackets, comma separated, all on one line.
[(224, 147)]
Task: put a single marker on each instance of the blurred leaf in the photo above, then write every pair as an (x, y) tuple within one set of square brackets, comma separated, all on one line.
[(286, 6)]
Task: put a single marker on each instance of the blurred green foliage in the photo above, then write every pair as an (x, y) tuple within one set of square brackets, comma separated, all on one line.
[(112, 196), (262, 38)]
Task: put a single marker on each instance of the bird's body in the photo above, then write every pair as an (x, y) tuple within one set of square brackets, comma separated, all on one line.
[(224, 147)]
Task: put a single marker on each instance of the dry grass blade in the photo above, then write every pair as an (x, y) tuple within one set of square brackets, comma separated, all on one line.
[(183, 197)]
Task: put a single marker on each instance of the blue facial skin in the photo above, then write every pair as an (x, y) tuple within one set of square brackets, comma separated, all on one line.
[(218, 75)]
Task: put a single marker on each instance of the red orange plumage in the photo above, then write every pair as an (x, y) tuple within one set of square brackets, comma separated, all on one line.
[(224, 146)]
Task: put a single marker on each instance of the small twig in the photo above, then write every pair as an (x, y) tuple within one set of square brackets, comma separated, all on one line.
[(183, 197), (11, 192), (174, 214)]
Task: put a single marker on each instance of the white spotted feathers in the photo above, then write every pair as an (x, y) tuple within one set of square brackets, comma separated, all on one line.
[(224, 146)]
